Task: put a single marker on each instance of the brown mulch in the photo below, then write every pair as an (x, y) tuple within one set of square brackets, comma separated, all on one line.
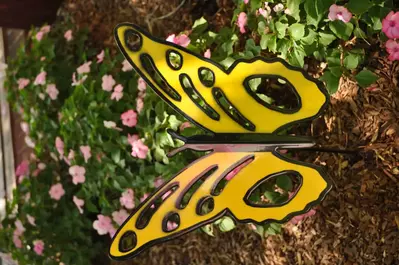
[(101, 16), (358, 223)]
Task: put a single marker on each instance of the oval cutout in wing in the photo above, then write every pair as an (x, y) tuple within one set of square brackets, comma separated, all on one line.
[(274, 190), (174, 59), (274, 92), (146, 215), (128, 241), (133, 40), (205, 205), (171, 222)]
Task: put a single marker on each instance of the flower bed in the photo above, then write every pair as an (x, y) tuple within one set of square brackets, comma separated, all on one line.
[(99, 135)]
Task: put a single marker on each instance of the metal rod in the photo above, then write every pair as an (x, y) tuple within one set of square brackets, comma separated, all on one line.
[(329, 150)]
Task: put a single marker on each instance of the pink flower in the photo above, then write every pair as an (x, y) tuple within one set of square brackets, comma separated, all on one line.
[(242, 21), (139, 104), (31, 219), (132, 138), (77, 82), (120, 216), (236, 170), (145, 196), (22, 169), (127, 199), (299, 218), (129, 118), (22, 83), (40, 78), (158, 182), (390, 25), (207, 53), (339, 13), (184, 125), (392, 48), (112, 231), (56, 191), (86, 152), (117, 94), (45, 29), (17, 241), (52, 91), (24, 127), (108, 82), (68, 35), (246, 1), (59, 145), (39, 35), (79, 203), (139, 149), (20, 228), (78, 174), (38, 247), (100, 57), (71, 156), (126, 66), (103, 224), (171, 225), (141, 84), (84, 68), (182, 40)]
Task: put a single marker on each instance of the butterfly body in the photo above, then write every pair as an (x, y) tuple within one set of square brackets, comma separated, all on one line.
[(243, 140)]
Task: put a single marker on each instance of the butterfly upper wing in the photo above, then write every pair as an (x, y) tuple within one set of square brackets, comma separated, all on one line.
[(253, 116), (232, 199)]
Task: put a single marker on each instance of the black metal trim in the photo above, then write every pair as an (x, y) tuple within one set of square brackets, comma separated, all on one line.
[(217, 94), (209, 111), (145, 56)]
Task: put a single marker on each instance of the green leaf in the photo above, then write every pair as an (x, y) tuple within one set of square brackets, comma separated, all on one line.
[(200, 25), (281, 29), (297, 57), (116, 155), (293, 8), (91, 207), (296, 31), (284, 182), (310, 38), (283, 46), (272, 229), (264, 40), (226, 224), (261, 27), (351, 61), (341, 30), (359, 33), (272, 43), (272, 196), (326, 38), (359, 6), (315, 10), (251, 46), (365, 78), (208, 229), (174, 123), (331, 81)]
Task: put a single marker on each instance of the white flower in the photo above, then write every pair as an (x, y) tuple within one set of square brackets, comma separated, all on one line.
[(29, 142), (278, 8)]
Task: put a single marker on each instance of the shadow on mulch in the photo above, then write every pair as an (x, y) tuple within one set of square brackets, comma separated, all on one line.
[(358, 223)]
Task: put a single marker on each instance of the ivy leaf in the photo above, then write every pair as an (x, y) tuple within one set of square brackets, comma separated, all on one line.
[(200, 25), (310, 38), (283, 46), (264, 40), (365, 78), (293, 7), (226, 224), (331, 81), (174, 123), (359, 6), (315, 10), (297, 31), (281, 29), (326, 38), (341, 30), (208, 229), (272, 229), (351, 61), (284, 182), (272, 196), (297, 57), (261, 27)]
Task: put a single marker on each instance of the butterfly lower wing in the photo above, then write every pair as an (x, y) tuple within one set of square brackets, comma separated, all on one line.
[(205, 103), (135, 235)]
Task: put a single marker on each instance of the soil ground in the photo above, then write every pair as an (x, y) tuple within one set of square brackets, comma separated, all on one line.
[(358, 223)]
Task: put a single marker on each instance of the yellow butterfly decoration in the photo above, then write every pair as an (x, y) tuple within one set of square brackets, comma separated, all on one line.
[(221, 102)]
